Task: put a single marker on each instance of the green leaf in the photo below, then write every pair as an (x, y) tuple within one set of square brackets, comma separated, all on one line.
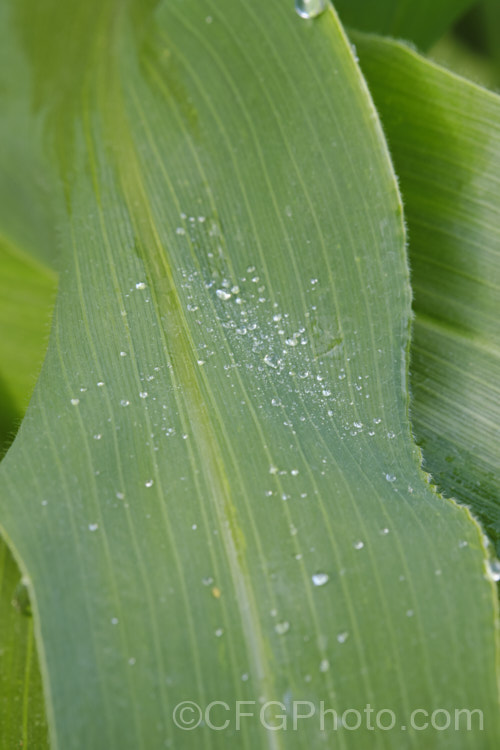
[(215, 492), (22, 718), (27, 295), (444, 139), (421, 22)]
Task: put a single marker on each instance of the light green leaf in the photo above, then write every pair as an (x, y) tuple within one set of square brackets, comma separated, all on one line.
[(215, 492), (22, 718), (421, 22), (445, 140), (27, 295)]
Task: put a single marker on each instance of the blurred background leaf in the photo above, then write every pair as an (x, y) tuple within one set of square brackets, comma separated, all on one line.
[(422, 22)]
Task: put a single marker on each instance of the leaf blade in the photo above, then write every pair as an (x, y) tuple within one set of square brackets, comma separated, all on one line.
[(149, 552)]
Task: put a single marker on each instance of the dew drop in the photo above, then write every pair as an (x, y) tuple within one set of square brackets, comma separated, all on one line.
[(319, 579), (93, 526), (100, 384), (131, 661), (282, 627), (270, 362), (219, 632), (140, 285), (324, 665), (494, 570), (98, 436), (310, 8), (148, 483), (390, 477), (143, 394), (342, 637), (222, 294), (75, 401), (114, 621), (358, 545), (123, 354), (124, 402)]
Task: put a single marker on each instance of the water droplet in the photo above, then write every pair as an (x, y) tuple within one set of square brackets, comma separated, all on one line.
[(391, 435), (140, 285), (319, 579), (294, 472), (180, 230), (143, 394), (123, 354), (384, 531), (273, 469), (494, 569), (324, 665), (409, 613), (270, 362), (463, 544), (282, 627), (207, 581), (120, 495), (98, 436), (358, 545), (222, 294), (244, 677), (219, 632), (124, 402), (75, 401), (93, 526), (100, 383), (310, 8), (342, 637), (390, 477), (114, 621), (149, 483)]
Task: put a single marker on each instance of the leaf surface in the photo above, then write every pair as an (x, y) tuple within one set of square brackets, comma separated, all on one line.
[(215, 492)]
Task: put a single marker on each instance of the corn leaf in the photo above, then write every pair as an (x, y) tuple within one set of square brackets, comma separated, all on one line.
[(445, 141), (421, 22), (215, 494)]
